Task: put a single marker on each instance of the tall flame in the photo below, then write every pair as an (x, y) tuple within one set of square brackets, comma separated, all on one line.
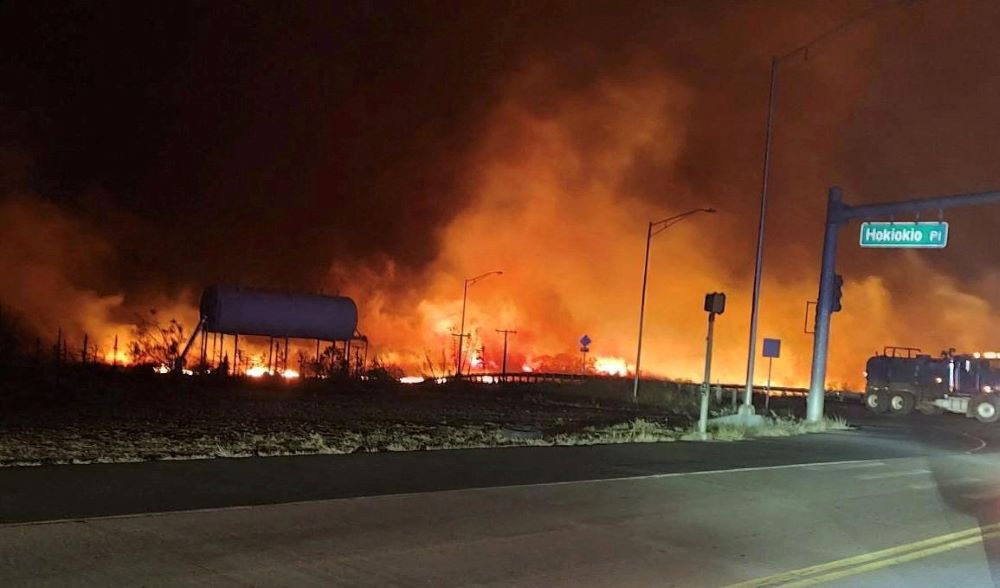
[(559, 201)]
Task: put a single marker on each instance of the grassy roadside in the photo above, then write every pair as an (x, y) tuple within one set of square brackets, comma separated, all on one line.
[(83, 416), (776, 426), (108, 446)]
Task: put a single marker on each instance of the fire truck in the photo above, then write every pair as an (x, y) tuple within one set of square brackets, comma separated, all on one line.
[(902, 379)]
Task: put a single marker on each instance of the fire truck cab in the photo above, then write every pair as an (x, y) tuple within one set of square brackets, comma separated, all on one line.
[(902, 379)]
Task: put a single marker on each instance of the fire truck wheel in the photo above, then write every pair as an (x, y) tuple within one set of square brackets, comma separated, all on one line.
[(901, 403), (984, 408), (877, 402)]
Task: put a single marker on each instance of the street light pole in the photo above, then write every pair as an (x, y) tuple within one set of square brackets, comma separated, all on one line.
[(747, 407), (461, 331), (642, 312), (654, 228), (759, 263)]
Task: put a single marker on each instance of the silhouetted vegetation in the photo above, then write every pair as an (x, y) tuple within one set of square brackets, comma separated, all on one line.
[(155, 343), (14, 336)]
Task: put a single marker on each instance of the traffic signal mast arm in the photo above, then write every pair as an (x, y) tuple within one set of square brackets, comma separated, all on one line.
[(837, 214), (841, 213)]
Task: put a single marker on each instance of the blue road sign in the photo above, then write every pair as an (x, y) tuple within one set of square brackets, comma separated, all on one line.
[(772, 347)]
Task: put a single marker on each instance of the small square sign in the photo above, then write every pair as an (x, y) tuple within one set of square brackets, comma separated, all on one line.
[(772, 347)]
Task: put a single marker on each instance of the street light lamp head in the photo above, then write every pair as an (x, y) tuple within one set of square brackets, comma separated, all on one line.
[(482, 276), (712, 210)]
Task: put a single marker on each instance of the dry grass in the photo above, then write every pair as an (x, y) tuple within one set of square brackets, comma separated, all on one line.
[(775, 426), (125, 418), (94, 447), (635, 431)]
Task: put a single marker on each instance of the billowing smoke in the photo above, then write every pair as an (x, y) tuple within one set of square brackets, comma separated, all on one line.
[(560, 186), (553, 206), (390, 151), (56, 268), (45, 256)]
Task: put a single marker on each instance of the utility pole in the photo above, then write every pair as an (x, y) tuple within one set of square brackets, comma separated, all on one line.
[(503, 370)]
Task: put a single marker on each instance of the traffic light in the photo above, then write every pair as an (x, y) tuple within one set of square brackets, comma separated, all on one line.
[(715, 302), (838, 285)]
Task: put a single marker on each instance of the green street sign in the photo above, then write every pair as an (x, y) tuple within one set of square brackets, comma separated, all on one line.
[(926, 235)]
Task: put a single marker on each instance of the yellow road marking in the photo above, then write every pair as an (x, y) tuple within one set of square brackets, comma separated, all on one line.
[(892, 561), (875, 559)]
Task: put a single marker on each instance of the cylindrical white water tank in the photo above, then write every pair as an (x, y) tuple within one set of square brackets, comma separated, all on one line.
[(242, 311)]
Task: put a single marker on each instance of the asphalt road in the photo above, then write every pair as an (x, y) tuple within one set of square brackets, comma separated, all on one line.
[(897, 502)]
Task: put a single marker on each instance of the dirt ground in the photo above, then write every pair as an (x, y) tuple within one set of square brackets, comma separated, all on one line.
[(87, 416)]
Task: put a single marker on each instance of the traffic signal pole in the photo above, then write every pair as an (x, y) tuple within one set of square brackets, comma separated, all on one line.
[(837, 214), (706, 383), (824, 308)]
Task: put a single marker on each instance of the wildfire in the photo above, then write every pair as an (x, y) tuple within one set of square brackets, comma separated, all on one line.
[(259, 371), (557, 212), (163, 369), (117, 357), (554, 200), (611, 366)]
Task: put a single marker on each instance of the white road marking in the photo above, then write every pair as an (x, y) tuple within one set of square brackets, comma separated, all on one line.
[(847, 466), (412, 494), (945, 484), (884, 476)]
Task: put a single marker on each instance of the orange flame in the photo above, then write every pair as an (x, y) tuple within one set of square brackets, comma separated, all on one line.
[(611, 366)]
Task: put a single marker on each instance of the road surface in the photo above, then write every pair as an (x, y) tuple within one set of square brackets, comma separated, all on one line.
[(899, 502)]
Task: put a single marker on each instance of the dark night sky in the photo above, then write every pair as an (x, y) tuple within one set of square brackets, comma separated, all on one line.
[(248, 140), (256, 141), (261, 142)]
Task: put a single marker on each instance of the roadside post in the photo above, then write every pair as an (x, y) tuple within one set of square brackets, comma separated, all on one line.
[(584, 349), (772, 349), (715, 303)]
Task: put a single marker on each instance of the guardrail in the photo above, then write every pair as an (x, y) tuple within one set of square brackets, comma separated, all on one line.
[(557, 378)]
